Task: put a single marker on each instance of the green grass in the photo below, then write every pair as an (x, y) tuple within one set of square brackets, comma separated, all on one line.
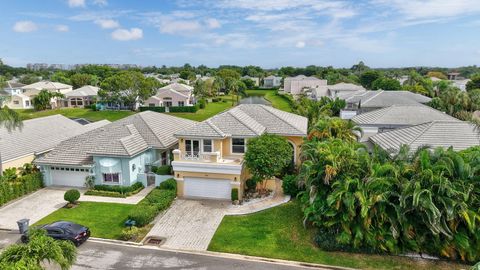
[(76, 113), (279, 233), (211, 109), (105, 220), (278, 101)]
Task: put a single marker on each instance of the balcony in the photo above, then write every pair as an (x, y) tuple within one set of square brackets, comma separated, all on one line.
[(207, 162)]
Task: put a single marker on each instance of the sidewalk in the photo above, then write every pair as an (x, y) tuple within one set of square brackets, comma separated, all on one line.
[(134, 199)]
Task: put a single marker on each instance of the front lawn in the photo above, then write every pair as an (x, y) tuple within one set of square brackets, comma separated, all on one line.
[(76, 113), (279, 233), (211, 109), (278, 101), (105, 220)]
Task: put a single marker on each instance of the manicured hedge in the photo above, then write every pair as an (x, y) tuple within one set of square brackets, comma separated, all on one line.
[(170, 184), (21, 186), (115, 191), (162, 170), (155, 109), (190, 109), (156, 201), (104, 193)]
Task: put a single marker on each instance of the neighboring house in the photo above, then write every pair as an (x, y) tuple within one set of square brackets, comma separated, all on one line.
[(256, 80), (33, 89), (298, 84), (209, 160), (366, 101), (272, 81), (395, 117), (336, 90), (13, 88), (20, 101), (120, 153), (403, 79), (81, 97), (175, 94), (38, 136), (457, 134)]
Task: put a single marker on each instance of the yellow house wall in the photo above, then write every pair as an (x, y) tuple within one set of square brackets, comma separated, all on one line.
[(298, 141), (18, 162)]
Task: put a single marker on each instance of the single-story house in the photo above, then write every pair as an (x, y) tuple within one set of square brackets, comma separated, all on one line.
[(256, 80), (457, 134), (342, 88), (120, 153), (175, 94), (38, 136), (209, 160), (33, 89), (366, 101), (272, 81), (298, 84), (81, 97), (395, 117)]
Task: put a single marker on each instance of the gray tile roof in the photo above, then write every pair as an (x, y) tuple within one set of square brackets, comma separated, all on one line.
[(249, 120), (382, 99), (345, 87), (40, 135), (126, 137), (84, 91), (403, 115), (457, 134), (179, 87)]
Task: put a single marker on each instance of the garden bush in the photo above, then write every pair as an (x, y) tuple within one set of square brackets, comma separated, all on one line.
[(21, 186), (71, 196), (148, 208), (104, 193), (202, 103), (170, 184), (190, 109), (234, 194), (127, 190), (290, 185), (251, 184), (162, 170), (130, 233), (154, 109)]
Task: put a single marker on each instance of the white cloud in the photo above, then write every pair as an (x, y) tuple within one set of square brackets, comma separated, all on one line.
[(213, 23), (170, 26), (76, 3), (99, 15), (24, 26), (125, 34), (100, 3), (107, 23), (62, 28), (300, 44)]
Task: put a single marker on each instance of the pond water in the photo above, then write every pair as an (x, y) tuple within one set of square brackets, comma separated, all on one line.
[(255, 100)]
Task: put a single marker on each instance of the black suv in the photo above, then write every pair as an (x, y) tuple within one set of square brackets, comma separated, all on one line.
[(64, 230)]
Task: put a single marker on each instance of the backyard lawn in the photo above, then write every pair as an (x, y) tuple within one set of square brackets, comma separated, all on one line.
[(278, 101), (76, 113), (211, 109), (279, 233), (105, 220)]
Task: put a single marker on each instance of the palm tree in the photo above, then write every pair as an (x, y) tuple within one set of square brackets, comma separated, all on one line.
[(11, 120), (39, 250), (334, 127)]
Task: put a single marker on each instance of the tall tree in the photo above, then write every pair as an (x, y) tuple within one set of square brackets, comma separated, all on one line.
[(368, 77), (43, 100), (81, 79)]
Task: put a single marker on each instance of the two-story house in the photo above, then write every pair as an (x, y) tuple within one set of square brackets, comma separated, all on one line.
[(209, 160)]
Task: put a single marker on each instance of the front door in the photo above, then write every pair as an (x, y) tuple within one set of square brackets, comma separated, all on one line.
[(167, 104)]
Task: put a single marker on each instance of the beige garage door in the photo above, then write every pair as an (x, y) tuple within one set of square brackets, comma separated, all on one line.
[(207, 188)]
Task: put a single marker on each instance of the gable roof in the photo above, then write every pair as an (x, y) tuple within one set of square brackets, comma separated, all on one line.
[(126, 137), (457, 134), (40, 134), (83, 91), (48, 85), (382, 99), (404, 115), (249, 120), (165, 91), (179, 87), (13, 85)]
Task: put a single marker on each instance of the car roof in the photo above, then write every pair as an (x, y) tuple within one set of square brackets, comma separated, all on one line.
[(63, 225)]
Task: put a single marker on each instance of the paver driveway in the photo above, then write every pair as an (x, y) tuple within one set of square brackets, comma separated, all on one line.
[(189, 224), (34, 207)]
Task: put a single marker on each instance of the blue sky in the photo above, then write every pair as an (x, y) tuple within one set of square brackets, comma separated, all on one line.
[(268, 33)]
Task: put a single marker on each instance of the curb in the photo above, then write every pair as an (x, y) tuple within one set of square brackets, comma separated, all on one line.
[(223, 255)]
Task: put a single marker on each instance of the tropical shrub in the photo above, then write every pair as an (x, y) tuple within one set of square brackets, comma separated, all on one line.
[(162, 170), (169, 184), (289, 185), (234, 194), (202, 103), (130, 233), (71, 196), (251, 184), (21, 186), (90, 182), (425, 201)]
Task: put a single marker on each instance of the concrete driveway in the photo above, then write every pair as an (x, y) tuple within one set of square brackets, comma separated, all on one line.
[(34, 207), (189, 224)]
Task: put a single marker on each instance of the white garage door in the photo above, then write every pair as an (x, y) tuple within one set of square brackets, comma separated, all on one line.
[(68, 178), (207, 188)]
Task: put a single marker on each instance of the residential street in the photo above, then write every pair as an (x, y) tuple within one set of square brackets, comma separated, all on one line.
[(94, 255)]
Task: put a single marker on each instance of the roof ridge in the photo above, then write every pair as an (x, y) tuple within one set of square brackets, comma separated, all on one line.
[(219, 131), (374, 96), (428, 126), (148, 126), (283, 120), (236, 109)]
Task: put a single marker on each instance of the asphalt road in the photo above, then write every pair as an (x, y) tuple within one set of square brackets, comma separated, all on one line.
[(94, 255)]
